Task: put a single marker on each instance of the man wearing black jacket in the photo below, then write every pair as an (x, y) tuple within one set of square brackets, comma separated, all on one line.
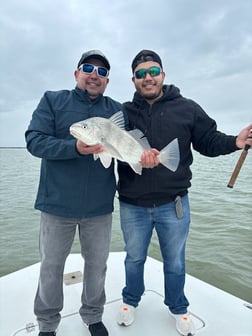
[(159, 197)]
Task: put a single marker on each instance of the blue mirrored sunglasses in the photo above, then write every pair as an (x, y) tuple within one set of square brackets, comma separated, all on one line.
[(90, 68), (142, 73)]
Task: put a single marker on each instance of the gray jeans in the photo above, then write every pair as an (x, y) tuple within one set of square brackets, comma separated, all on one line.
[(56, 238)]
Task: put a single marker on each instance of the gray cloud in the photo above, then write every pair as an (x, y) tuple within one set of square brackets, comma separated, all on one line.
[(206, 49)]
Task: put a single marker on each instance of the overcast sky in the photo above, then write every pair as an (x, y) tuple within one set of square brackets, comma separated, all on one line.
[(206, 48)]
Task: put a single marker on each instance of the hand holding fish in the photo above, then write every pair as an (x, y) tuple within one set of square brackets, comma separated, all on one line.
[(85, 149), (149, 158)]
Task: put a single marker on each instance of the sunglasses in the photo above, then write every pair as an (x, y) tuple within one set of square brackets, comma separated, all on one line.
[(90, 68), (142, 73)]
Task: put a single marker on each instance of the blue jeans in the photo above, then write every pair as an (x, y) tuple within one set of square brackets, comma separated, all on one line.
[(137, 224)]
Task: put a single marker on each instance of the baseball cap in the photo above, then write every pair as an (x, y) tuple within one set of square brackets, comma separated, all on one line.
[(97, 54), (145, 56)]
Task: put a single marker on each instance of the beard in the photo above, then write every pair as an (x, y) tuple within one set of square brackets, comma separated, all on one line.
[(151, 95)]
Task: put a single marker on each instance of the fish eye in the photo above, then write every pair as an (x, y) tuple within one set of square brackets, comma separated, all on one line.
[(84, 126)]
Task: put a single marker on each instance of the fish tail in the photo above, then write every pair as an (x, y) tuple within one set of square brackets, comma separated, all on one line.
[(169, 155)]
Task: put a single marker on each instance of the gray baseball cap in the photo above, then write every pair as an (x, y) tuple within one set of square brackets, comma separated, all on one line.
[(97, 54)]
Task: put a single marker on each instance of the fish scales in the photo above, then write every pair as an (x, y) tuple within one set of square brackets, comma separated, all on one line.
[(127, 146)]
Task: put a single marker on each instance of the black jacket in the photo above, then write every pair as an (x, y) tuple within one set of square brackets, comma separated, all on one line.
[(170, 117)]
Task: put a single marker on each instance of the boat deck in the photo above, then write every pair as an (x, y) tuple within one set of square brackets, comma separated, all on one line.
[(214, 311)]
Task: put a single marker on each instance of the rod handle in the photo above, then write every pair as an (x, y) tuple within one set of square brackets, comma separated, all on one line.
[(238, 166)]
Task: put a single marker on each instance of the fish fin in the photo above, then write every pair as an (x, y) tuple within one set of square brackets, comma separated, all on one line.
[(111, 150), (118, 119), (136, 167), (169, 155), (140, 137), (105, 159), (96, 156)]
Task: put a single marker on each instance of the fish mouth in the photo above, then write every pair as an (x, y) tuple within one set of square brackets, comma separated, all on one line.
[(74, 132)]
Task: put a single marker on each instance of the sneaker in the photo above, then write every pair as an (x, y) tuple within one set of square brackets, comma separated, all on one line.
[(126, 315), (184, 324), (47, 333), (98, 329)]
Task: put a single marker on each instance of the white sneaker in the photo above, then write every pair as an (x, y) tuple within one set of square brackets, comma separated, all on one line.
[(184, 324), (126, 315)]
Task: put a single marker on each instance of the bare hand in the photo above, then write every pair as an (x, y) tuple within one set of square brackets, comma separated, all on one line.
[(149, 158), (85, 149), (244, 137)]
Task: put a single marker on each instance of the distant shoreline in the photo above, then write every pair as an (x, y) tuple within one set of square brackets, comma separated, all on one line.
[(10, 147)]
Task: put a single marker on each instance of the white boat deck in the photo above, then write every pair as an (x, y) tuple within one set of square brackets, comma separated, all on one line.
[(215, 312)]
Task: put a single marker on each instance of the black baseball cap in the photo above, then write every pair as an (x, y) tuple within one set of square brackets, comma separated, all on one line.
[(97, 54), (145, 56)]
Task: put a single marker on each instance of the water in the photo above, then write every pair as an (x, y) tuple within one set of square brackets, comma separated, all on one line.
[(219, 248)]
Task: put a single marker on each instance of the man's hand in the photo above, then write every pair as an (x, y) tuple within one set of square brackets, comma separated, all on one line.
[(149, 158), (85, 149), (244, 137)]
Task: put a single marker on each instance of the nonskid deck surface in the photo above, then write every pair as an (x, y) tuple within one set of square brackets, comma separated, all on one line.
[(151, 318), (214, 312)]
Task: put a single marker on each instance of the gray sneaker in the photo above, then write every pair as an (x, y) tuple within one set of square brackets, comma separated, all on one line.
[(184, 324), (126, 315)]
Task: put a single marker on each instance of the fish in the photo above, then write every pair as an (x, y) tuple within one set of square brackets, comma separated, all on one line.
[(126, 146)]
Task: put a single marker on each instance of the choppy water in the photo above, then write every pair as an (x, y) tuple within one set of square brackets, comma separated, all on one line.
[(219, 248)]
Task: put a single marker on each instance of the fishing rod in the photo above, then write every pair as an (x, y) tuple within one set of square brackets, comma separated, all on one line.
[(238, 166)]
